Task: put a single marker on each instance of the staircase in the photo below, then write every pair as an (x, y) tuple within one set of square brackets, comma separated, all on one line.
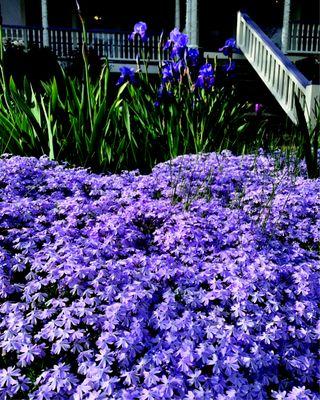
[(278, 73)]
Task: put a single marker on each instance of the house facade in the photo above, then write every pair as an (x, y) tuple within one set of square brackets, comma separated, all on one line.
[(13, 12), (207, 23)]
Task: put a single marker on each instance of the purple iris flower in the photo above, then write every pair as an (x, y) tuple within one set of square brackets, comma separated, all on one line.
[(174, 35), (178, 42), (127, 75), (205, 78), (140, 30), (193, 57), (179, 67), (167, 72), (229, 47), (172, 70)]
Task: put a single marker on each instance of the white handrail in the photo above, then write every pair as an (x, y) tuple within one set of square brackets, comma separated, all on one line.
[(281, 77)]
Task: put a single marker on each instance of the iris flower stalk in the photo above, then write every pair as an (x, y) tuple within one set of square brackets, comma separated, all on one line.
[(86, 64), (140, 32)]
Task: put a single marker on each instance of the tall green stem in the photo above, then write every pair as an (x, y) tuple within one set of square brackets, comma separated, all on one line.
[(86, 65)]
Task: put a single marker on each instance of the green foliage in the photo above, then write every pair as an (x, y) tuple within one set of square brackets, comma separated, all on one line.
[(77, 121), (188, 123), (81, 121)]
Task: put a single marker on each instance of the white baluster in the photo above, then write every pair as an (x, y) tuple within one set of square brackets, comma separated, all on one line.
[(55, 43), (261, 55), (291, 38), (285, 87), (282, 84), (302, 38), (266, 63), (312, 37), (100, 47), (269, 63), (289, 91), (297, 37), (125, 46), (109, 46), (250, 42), (274, 66), (62, 42), (118, 46), (307, 47)]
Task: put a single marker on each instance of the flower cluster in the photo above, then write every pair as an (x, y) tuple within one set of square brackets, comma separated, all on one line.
[(127, 74), (205, 78), (198, 281), (177, 43), (181, 57), (139, 31), (229, 47), (182, 64)]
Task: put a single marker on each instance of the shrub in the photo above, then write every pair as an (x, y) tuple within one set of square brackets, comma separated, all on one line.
[(36, 64)]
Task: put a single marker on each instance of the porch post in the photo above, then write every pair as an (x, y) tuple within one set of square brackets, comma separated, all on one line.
[(177, 15), (285, 26), (194, 24), (188, 15), (44, 20)]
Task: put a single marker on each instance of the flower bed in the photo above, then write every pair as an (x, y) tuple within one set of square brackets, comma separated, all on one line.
[(198, 281)]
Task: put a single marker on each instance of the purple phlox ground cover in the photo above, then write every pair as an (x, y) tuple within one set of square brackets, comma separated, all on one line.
[(197, 281)]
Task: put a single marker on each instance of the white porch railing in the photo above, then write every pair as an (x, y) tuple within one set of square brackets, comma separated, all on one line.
[(115, 46), (281, 77), (304, 38)]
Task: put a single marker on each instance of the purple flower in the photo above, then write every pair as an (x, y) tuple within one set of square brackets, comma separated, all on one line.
[(205, 78), (12, 382), (127, 75), (229, 47), (140, 30), (177, 43), (172, 70), (179, 68), (258, 107), (197, 281), (167, 72)]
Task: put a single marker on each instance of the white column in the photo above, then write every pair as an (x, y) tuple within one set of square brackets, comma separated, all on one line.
[(177, 15), (187, 27), (194, 24), (285, 26), (45, 25)]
